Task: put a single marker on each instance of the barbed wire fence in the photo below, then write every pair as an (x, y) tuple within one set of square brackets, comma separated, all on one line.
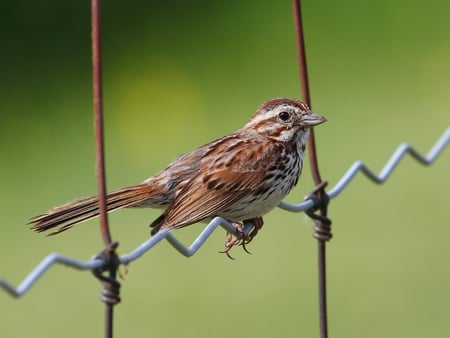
[(104, 265)]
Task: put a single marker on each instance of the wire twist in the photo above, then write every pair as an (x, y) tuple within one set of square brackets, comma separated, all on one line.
[(322, 224), (111, 287)]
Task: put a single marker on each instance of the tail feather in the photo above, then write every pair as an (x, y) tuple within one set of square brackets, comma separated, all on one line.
[(68, 215)]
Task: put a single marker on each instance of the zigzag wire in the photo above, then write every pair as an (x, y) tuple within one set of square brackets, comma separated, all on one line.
[(387, 170), (55, 258)]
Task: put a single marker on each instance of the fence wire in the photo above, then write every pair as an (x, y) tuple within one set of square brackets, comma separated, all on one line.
[(347, 178)]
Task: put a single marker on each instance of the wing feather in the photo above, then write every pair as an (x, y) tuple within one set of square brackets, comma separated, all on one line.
[(202, 199)]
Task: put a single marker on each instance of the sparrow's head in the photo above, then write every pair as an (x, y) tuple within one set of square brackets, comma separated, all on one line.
[(284, 119)]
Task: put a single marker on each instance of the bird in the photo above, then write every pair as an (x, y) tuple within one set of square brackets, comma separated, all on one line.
[(240, 177)]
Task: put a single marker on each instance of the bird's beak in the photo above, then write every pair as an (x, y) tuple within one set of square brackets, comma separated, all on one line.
[(312, 119)]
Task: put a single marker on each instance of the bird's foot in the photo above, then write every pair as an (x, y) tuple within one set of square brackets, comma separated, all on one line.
[(240, 237)]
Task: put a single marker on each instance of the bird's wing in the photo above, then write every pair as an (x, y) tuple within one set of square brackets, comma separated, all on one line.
[(208, 195)]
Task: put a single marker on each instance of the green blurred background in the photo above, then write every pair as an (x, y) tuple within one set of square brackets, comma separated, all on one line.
[(178, 74)]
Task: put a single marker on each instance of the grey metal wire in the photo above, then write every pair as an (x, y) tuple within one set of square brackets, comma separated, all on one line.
[(55, 258), (42, 267), (387, 170), (358, 166)]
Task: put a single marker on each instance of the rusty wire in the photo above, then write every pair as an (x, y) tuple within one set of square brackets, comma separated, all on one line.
[(111, 287), (322, 227), (97, 87), (304, 85)]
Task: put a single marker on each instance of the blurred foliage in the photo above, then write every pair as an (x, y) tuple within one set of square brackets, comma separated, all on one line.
[(178, 74)]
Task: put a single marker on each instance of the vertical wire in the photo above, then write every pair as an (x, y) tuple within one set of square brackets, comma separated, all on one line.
[(322, 268), (99, 142), (321, 246), (98, 119), (300, 42)]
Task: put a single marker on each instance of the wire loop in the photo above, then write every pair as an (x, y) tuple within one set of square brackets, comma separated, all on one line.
[(111, 287), (322, 224)]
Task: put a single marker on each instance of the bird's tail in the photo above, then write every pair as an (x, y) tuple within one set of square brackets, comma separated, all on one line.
[(68, 215)]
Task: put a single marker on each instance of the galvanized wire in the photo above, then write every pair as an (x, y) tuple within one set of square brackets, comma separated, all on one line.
[(348, 177), (384, 174)]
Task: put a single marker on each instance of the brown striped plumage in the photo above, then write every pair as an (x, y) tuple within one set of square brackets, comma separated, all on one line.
[(241, 176)]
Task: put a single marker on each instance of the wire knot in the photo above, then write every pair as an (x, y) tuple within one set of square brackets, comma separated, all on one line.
[(322, 225), (111, 287)]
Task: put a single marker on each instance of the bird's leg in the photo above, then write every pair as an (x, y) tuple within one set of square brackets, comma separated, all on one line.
[(257, 223), (241, 238), (232, 240)]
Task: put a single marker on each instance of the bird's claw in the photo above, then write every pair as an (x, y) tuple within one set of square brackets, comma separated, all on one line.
[(241, 238)]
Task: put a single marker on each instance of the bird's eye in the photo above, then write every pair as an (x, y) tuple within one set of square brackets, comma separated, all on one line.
[(284, 116)]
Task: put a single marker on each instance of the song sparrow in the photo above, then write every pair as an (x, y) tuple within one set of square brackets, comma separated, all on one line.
[(240, 177)]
